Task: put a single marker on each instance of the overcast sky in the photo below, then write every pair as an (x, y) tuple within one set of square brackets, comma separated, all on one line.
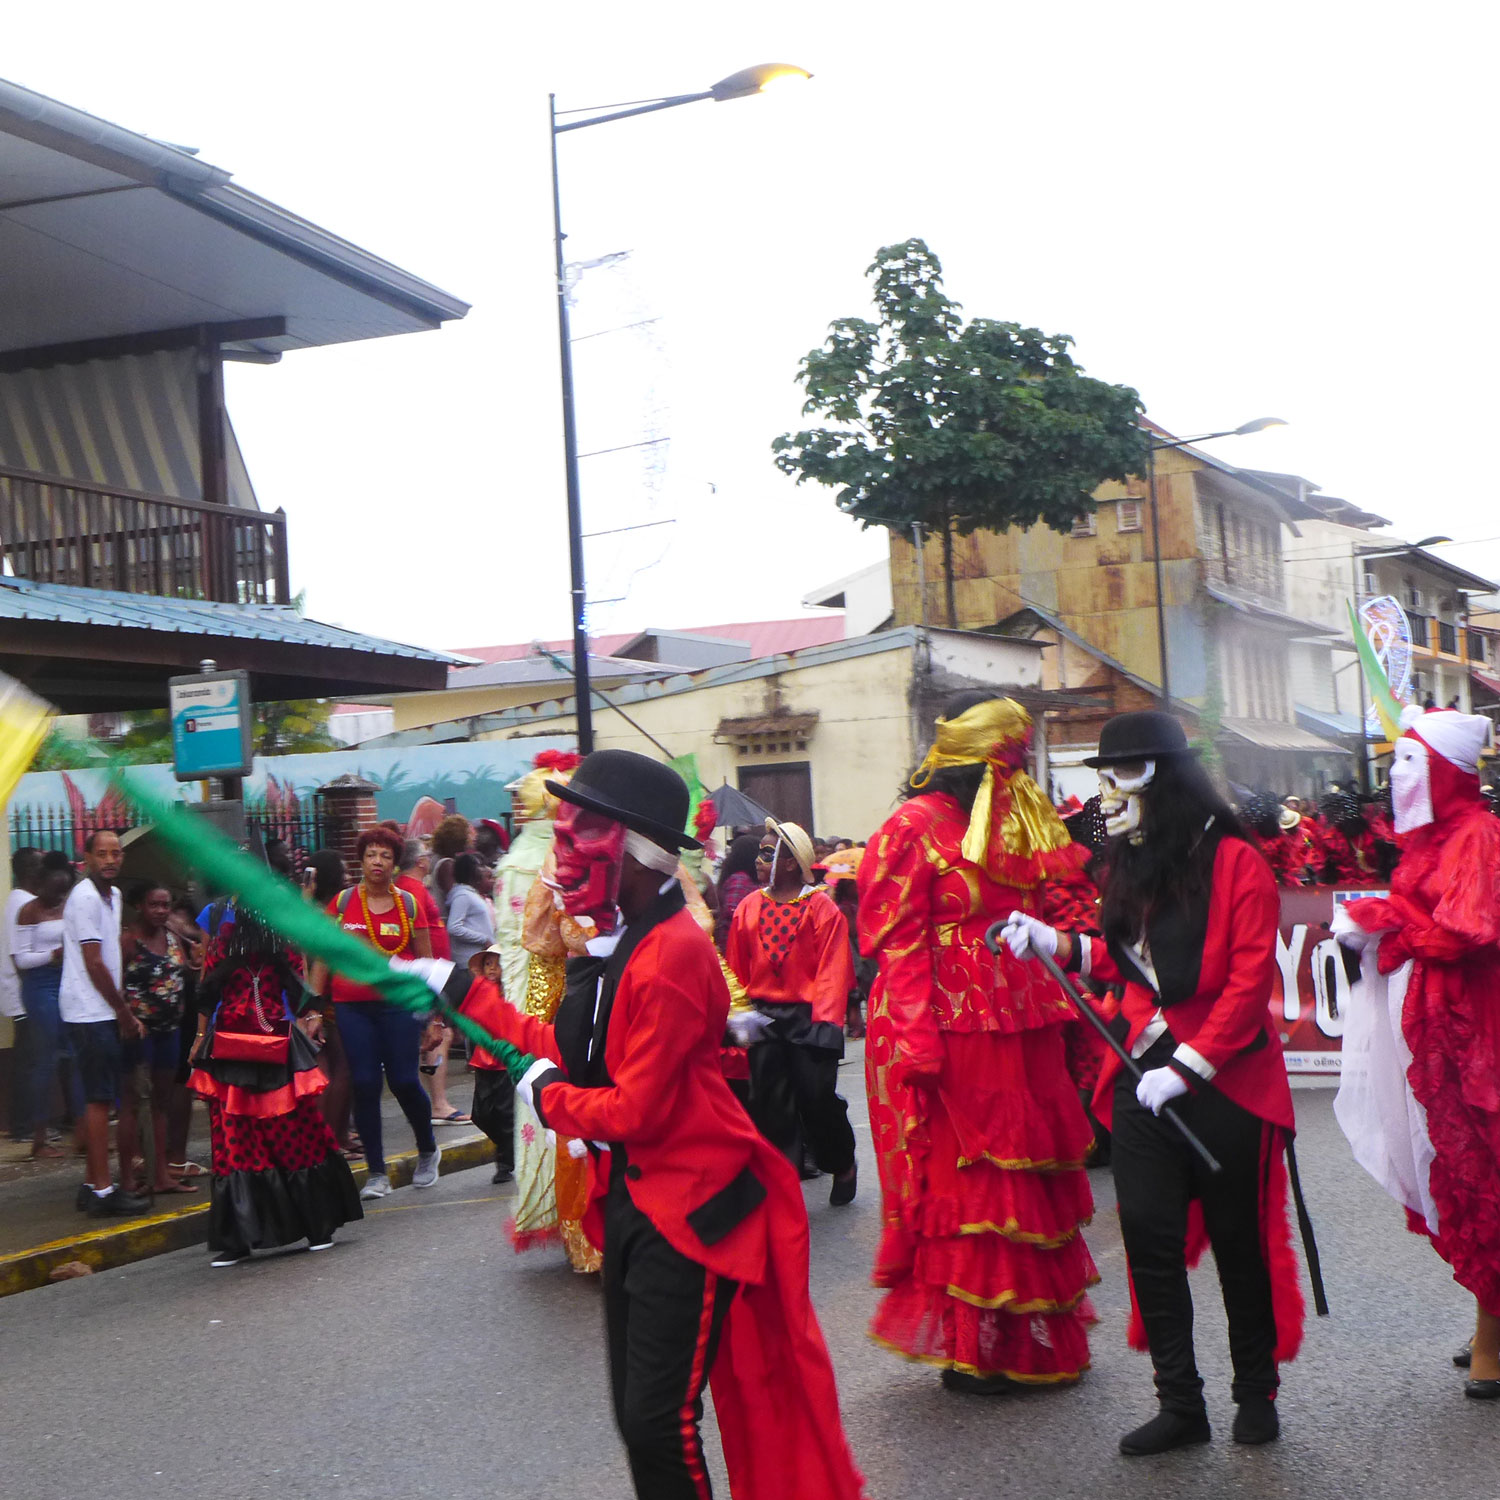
[(1240, 209)]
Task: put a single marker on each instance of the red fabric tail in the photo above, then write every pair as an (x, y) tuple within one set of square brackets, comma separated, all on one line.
[(1287, 1302), (774, 1391)]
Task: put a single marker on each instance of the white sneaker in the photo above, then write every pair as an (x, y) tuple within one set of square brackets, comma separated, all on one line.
[(377, 1185), (426, 1174), (229, 1258), (323, 1245)]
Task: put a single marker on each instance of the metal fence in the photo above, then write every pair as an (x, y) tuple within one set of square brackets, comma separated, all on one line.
[(62, 827)]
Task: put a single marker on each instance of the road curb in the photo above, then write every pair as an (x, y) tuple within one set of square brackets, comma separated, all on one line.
[(159, 1234)]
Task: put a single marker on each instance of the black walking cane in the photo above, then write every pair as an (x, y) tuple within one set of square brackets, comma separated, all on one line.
[(992, 941)]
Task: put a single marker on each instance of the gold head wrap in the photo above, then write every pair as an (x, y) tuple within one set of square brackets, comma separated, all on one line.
[(996, 734)]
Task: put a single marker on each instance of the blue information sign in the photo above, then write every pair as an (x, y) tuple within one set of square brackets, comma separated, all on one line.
[(210, 714)]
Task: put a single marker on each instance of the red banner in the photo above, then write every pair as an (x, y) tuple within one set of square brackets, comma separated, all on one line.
[(1311, 994)]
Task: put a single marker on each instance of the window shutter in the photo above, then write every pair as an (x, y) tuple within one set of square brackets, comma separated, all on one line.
[(1086, 525), (1127, 515)]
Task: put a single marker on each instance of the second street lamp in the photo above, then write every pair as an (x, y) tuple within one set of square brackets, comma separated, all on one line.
[(742, 85)]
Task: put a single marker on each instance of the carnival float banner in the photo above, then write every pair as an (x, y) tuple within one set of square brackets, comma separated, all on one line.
[(1310, 997)]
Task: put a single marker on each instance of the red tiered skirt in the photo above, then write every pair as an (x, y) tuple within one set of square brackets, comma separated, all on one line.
[(985, 1194)]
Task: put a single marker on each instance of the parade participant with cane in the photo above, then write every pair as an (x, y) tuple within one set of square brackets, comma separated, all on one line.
[(1419, 1097), (1190, 918), (979, 1133), (701, 1221)]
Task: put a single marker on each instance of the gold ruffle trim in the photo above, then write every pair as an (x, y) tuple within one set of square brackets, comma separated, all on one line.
[(1008, 1301), (1062, 1377), (1011, 1230)]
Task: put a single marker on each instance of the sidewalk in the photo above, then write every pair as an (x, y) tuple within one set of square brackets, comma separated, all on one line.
[(40, 1229)]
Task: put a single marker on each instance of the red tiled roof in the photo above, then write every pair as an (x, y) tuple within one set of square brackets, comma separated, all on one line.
[(764, 637)]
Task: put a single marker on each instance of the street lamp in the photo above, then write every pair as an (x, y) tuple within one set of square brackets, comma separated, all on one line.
[(1153, 446), (1356, 557), (741, 85)]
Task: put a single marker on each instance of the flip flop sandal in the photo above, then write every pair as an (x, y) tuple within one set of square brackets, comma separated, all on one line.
[(174, 1187), (186, 1169), (455, 1117)]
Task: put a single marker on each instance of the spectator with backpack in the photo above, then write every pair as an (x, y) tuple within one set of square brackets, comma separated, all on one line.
[(381, 1040)]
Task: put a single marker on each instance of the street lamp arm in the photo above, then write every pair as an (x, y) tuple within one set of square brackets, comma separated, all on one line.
[(640, 109)]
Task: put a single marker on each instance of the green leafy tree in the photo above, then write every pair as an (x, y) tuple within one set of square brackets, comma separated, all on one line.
[(954, 426), (298, 727), (65, 752)]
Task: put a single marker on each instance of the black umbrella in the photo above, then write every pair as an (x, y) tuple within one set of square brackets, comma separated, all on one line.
[(734, 809)]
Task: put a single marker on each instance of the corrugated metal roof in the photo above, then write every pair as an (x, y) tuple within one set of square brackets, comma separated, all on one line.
[(64, 604), (763, 637)]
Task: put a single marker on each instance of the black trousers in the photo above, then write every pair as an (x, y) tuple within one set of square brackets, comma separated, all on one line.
[(662, 1316), (494, 1112), (794, 1098), (1156, 1177)]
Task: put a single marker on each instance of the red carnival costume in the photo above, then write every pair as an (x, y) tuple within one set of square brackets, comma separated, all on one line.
[(701, 1221), (980, 1134), (1419, 1096)]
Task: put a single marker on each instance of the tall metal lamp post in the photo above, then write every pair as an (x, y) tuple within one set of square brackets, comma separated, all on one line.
[(1153, 447), (741, 85)]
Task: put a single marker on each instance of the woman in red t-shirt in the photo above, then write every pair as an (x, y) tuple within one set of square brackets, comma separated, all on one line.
[(381, 1040)]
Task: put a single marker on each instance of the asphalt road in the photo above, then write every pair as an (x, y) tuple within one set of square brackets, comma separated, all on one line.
[(422, 1358)]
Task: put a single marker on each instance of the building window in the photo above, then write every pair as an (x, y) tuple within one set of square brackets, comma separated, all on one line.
[(1128, 515), (1086, 525)]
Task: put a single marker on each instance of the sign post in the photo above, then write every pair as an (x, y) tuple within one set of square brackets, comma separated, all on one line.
[(210, 716)]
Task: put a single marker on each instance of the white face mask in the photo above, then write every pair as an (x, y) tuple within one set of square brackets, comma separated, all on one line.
[(1120, 798), (1411, 785)]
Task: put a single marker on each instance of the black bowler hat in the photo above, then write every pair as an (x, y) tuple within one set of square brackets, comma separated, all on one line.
[(1148, 735), (634, 790)]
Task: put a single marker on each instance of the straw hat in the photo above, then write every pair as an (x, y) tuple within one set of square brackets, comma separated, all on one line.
[(794, 836)]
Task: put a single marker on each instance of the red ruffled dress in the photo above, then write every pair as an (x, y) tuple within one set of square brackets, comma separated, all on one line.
[(979, 1130), (1444, 908), (278, 1173)]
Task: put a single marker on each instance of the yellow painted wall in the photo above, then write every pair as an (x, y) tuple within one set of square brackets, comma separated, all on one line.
[(860, 751), (1103, 586)]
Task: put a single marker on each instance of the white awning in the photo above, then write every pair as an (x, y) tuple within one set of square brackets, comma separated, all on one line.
[(105, 233)]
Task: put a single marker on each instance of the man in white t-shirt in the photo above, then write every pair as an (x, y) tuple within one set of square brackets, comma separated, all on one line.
[(25, 871), (94, 1011)]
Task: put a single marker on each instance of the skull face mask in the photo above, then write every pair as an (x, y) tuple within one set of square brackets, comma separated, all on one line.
[(1120, 789), (1411, 785), (590, 853)]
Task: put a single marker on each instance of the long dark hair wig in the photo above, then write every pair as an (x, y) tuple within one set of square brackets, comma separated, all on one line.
[(1174, 862), (960, 782)]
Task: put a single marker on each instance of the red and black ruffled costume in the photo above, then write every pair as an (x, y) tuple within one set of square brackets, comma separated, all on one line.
[(278, 1174), (979, 1130)]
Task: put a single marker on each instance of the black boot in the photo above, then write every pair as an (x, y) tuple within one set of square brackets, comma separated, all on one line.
[(1256, 1421), (1165, 1431)]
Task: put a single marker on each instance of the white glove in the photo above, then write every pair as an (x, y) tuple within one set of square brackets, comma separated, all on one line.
[(1025, 935), (746, 1027), (578, 1149), (535, 1071), (1159, 1086), (433, 972), (1349, 933)]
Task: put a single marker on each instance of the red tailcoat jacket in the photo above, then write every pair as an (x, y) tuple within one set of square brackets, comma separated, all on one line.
[(714, 1189), (1224, 1017)]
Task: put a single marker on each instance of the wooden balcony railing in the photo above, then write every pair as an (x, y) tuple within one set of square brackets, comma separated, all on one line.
[(72, 531)]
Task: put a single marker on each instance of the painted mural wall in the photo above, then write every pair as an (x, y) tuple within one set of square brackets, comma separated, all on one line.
[(473, 776)]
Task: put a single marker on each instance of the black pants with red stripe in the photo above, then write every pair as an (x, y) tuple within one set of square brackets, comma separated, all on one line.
[(662, 1316)]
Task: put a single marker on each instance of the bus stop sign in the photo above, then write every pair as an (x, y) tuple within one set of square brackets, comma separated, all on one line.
[(210, 714)]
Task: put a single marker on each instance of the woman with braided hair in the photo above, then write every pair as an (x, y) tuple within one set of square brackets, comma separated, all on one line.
[(278, 1173)]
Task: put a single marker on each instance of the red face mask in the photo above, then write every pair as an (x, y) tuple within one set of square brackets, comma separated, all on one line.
[(590, 852)]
